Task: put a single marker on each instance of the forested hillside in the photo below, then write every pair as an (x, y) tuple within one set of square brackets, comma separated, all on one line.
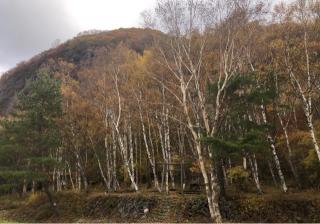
[(222, 102), (78, 52)]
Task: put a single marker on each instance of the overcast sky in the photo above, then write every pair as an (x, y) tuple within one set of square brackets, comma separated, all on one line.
[(28, 27)]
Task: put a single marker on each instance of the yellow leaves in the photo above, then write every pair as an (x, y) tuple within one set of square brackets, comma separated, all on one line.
[(311, 160), (33, 197), (317, 129), (302, 138), (69, 90), (195, 167), (237, 173), (146, 57), (277, 44)]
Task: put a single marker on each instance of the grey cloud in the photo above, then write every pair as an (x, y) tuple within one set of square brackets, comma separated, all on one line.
[(28, 27)]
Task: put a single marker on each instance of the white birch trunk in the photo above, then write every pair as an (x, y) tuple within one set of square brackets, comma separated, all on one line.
[(104, 179), (108, 162), (292, 167), (272, 173), (121, 139), (70, 176), (82, 176), (274, 153), (168, 148), (125, 159), (313, 135), (131, 149), (306, 94), (150, 157), (24, 187), (255, 173), (115, 183), (244, 162)]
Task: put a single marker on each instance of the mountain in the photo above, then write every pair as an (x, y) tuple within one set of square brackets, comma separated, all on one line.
[(75, 51)]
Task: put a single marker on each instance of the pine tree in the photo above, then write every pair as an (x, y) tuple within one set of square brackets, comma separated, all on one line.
[(241, 135), (31, 135)]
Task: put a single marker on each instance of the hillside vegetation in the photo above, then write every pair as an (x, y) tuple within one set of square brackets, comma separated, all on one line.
[(153, 207), (79, 52)]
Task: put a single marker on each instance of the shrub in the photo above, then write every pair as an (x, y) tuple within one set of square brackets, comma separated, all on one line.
[(239, 176)]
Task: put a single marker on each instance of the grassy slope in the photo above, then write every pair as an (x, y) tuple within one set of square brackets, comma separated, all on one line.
[(98, 207)]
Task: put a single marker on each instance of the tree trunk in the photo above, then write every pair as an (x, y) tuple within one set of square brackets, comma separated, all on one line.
[(255, 173), (108, 161), (105, 181), (115, 183), (224, 173), (81, 173), (211, 187), (292, 167), (277, 162), (70, 176), (165, 170), (33, 187), (274, 153), (181, 150), (272, 173), (150, 157), (313, 136), (125, 159), (53, 204), (168, 147), (244, 162), (221, 176), (24, 187), (59, 182)]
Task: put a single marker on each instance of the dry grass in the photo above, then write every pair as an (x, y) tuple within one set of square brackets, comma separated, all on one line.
[(115, 207)]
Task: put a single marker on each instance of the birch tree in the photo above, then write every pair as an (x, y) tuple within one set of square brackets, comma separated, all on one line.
[(303, 76), (186, 22)]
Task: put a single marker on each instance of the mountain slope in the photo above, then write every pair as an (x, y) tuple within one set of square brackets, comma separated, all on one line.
[(75, 51)]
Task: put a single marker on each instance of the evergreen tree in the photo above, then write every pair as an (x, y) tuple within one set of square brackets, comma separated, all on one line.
[(241, 135), (31, 135)]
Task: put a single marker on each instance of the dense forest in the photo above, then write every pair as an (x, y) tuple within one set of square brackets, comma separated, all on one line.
[(211, 97)]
